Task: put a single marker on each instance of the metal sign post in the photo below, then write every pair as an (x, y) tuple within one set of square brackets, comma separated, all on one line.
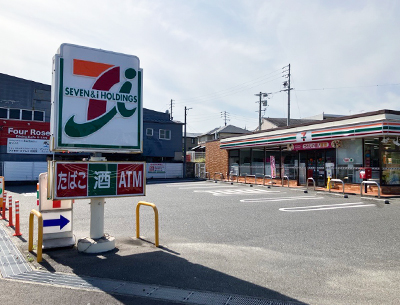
[(97, 108)]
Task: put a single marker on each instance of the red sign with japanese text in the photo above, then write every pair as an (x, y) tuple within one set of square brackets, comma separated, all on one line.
[(72, 180), (130, 179), (314, 145), (98, 179)]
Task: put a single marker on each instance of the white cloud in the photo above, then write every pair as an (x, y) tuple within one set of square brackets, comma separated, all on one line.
[(214, 55)]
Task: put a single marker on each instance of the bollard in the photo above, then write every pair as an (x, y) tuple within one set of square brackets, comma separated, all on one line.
[(3, 213), (17, 231), (37, 193), (10, 219)]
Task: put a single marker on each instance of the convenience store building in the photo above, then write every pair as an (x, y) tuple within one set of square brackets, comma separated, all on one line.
[(339, 147)]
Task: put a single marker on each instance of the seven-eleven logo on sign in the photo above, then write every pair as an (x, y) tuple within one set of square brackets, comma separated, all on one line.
[(98, 104), (304, 136), (106, 76)]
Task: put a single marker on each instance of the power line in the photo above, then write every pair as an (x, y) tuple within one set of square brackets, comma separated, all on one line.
[(348, 87), (232, 90)]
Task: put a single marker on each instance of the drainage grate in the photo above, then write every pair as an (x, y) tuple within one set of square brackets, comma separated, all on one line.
[(11, 260), (142, 290), (13, 266)]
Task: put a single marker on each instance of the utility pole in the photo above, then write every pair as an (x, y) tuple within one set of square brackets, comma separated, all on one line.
[(171, 108), (264, 102), (286, 84), (225, 115), (184, 145)]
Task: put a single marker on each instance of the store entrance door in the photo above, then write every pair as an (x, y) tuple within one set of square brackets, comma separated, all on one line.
[(320, 168), (315, 168)]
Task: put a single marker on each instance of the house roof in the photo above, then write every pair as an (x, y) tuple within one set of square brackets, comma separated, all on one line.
[(227, 129), (157, 116), (281, 122), (192, 135)]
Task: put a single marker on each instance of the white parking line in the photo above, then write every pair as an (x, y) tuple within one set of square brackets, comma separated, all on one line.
[(281, 199), (187, 183), (327, 207), (29, 194), (237, 192), (206, 187)]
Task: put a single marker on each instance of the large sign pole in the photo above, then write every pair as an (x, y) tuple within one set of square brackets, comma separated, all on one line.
[(98, 241), (96, 107)]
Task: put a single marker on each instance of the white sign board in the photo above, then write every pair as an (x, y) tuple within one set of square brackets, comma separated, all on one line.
[(46, 204), (57, 222), (156, 168), (97, 98), (27, 146)]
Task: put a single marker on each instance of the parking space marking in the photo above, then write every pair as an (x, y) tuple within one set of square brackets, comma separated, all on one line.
[(29, 194), (327, 207), (206, 187), (187, 183), (281, 199), (237, 192)]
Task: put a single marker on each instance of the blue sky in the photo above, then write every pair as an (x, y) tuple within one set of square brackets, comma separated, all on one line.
[(213, 56)]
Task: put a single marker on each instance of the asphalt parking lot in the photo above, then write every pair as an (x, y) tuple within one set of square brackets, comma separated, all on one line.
[(277, 243)]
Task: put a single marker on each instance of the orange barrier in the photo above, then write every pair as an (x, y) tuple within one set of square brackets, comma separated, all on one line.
[(10, 219), (17, 229)]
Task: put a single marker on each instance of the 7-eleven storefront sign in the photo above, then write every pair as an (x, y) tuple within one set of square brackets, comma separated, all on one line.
[(97, 101)]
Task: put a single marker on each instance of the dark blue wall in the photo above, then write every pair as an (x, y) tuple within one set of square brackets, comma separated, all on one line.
[(153, 146), (20, 93)]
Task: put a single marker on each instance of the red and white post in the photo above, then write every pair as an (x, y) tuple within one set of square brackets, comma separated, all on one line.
[(37, 194), (17, 229), (10, 218)]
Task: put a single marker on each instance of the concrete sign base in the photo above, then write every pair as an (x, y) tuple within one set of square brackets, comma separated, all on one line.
[(98, 241), (89, 245)]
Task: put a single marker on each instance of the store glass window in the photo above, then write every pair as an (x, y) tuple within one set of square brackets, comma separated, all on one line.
[(371, 156), (290, 164), (390, 161), (272, 163), (349, 160), (234, 162), (257, 164), (245, 161)]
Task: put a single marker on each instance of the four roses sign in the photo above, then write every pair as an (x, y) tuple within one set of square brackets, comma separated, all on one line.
[(98, 101)]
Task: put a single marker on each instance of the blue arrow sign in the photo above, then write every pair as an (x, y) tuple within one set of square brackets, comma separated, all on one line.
[(62, 222)]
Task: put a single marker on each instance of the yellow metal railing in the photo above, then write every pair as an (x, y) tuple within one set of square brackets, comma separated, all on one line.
[(40, 234), (155, 219)]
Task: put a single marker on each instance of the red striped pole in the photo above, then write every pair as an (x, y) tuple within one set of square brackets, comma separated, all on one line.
[(17, 231), (10, 219), (37, 193), (3, 213)]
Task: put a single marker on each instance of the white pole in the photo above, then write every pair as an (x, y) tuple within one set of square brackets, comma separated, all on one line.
[(97, 218)]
